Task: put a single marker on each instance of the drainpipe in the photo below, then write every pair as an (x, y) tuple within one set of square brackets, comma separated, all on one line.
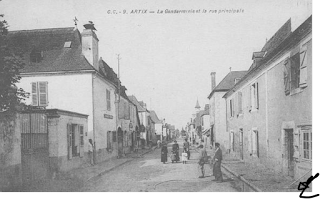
[(93, 119)]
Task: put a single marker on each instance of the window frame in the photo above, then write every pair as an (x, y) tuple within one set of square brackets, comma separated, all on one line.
[(38, 94), (307, 131), (108, 99)]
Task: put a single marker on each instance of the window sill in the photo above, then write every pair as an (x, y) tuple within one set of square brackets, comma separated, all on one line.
[(296, 91)]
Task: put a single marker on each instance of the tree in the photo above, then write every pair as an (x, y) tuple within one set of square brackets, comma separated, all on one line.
[(11, 97)]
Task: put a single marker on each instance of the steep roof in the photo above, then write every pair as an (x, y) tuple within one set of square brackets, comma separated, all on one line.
[(134, 100), (228, 81), (301, 32), (154, 117), (197, 105), (50, 42)]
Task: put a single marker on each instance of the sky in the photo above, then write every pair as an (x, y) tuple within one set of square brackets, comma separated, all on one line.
[(166, 59)]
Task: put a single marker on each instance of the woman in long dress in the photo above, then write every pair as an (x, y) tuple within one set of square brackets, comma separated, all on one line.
[(164, 153)]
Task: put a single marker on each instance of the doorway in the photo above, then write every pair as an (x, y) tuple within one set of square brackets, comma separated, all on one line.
[(289, 152)]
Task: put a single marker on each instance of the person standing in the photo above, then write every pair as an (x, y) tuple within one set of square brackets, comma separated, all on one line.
[(217, 158), (158, 143), (184, 157), (164, 152), (202, 161), (90, 151), (186, 147), (175, 149)]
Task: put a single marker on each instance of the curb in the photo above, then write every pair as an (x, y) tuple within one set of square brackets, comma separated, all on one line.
[(252, 186), (114, 167)]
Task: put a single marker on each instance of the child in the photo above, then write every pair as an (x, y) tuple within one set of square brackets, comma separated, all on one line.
[(184, 156)]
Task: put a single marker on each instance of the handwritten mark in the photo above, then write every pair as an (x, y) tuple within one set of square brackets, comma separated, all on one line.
[(304, 185)]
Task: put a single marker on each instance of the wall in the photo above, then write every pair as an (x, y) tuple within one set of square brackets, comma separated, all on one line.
[(72, 92), (219, 128), (58, 149), (277, 111), (10, 153), (101, 124)]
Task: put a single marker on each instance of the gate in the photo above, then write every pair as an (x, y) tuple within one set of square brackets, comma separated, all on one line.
[(34, 146)]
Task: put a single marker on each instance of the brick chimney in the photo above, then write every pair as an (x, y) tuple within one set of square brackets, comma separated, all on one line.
[(90, 45), (213, 80)]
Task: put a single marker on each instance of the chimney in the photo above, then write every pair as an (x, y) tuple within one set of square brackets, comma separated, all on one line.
[(90, 45), (213, 80)]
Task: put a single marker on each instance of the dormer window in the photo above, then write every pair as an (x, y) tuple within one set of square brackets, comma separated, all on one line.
[(236, 80), (67, 44), (36, 56)]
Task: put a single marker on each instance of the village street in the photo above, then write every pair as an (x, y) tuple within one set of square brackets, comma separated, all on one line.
[(149, 174)]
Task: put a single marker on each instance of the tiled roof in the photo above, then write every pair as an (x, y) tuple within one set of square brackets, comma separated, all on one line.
[(108, 72), (136, 102), (154, 117), (51, 43), (295, 37), (228, 81)]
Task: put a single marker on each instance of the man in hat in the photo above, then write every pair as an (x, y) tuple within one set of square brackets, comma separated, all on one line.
[(202, 161), (175, 149), (217, 158)]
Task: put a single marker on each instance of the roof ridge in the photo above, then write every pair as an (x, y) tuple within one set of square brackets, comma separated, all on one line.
[(42, 30)]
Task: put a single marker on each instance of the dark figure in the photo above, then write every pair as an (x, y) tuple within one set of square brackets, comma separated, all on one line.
[(186, 147), (164, 152), (201, 161), (175, 150), (217, 158)]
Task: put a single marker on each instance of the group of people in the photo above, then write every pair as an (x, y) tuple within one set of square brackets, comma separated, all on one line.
[(175, 152), (215, 161)]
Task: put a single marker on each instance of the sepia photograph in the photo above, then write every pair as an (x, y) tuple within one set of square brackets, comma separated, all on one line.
[(157, 96)]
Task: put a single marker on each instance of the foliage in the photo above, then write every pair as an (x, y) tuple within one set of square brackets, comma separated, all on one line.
[(11, 97)]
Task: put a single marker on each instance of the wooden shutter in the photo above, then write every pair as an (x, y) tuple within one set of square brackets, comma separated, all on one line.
[(303, 67), (69, 141), (286, 76), (239, 102), (250, 98), (257, 96), (296, 142), (81, 152), (43, 93), (34, 94), (250, 141)]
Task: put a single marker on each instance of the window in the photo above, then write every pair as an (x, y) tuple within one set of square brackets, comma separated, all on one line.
[(231, 140), (253, 142), (239, 102), (81, 136), (108, 100), (36, 55), (231, 107), (39, 93), (295, 70), (254, 96), (307, 143), (236, 80)]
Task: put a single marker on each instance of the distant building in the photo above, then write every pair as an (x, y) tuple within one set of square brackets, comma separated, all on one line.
[(217, 110)]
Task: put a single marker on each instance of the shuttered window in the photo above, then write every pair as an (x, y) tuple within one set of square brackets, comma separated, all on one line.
[(295, 71), (286, 76), (239, 102), (254, 96), (303, 67), (108, 97), (306, 143), (39, 93)]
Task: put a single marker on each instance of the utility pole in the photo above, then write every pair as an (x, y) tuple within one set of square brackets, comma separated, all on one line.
[(118, 106)]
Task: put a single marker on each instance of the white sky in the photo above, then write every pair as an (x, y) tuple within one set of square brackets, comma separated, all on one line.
[(167, 59)]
